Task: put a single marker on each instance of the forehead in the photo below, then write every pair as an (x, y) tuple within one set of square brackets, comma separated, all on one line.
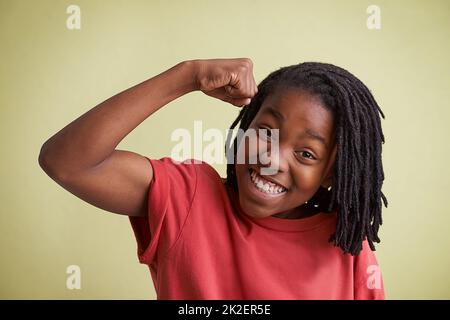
[(299, 111)]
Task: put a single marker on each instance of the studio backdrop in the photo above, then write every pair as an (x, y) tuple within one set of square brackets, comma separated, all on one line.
[(61, 58)]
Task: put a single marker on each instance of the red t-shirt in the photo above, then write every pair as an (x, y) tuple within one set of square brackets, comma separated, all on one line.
[(199, 244)]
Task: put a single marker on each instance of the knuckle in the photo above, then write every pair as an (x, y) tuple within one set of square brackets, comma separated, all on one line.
[(242, 68), (248, 61)]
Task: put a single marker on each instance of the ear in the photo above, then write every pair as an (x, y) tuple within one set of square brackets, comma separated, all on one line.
[(329, 170)]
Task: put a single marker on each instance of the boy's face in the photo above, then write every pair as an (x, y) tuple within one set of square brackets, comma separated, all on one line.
[(304, 163)]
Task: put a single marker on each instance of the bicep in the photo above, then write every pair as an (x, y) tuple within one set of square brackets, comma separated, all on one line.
[(119, 184)]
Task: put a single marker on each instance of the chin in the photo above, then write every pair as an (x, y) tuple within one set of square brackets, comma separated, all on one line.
[(253, 210)]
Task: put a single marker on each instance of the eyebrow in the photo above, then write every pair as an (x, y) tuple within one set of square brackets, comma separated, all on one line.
[(274, 112), (310, 133), (314, 135)]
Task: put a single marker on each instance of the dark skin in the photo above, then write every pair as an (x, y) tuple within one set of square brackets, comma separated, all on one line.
[(305, 163), (82, 157)]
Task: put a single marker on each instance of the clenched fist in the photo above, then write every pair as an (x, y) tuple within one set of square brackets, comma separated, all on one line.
[(229, 80)]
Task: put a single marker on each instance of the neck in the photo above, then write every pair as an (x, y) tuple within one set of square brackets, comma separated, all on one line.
[(300, 212)]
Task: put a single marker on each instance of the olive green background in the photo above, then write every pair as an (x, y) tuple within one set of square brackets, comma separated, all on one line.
[(50, 75)]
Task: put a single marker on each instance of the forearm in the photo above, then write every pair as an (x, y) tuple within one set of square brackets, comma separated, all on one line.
[(91, 138)]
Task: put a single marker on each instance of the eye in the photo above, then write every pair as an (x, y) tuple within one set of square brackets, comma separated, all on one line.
[(307, 155)]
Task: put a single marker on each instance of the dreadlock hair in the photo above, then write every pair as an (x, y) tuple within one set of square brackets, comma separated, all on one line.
[(358, 172)]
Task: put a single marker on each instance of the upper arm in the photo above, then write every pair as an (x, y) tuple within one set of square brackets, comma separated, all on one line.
[(119, 184)]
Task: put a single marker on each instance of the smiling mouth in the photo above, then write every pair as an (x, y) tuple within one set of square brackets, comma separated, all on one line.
[(265, 186)]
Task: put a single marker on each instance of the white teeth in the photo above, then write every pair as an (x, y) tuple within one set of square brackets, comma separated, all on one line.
[(265, 185)]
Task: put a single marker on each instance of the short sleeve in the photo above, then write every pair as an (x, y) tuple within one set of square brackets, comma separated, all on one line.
[(368, 282), (169, 197)]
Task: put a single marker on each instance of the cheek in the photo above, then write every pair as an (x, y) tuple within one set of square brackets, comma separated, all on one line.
[(241, 172), (306, 178), (249, 151), (239, 168)]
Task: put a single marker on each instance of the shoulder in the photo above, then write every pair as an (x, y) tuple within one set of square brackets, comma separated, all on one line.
[(203, 171)]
